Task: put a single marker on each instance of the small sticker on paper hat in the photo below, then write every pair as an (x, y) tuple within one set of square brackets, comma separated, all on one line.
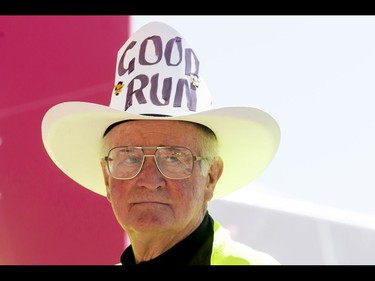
[(194, 80), (118, 88)]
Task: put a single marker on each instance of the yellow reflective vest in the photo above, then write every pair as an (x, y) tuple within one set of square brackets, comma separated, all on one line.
[(229, 252)]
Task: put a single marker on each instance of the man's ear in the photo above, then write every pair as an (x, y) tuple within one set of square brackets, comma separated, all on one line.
[(214, 174), (106, 178)]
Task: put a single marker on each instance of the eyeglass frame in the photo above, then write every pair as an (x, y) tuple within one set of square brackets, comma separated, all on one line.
[(156, 148)]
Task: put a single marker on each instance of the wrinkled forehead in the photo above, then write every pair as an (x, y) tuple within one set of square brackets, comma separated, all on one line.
[(146, 123), (155, 133), (198, 126)]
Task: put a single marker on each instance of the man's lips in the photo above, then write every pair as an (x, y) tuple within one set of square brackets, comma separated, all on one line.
[(148, 202)]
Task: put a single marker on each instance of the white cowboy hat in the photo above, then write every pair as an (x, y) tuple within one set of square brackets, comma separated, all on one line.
[(157, 77)]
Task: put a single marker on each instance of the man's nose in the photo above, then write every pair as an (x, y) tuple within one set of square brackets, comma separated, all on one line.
[(150, 175)]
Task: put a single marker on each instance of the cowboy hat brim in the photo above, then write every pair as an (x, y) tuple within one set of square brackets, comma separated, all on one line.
[(72, 134)]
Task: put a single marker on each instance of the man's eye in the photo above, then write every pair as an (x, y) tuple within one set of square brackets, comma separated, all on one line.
[(132, 160), (172, 158)]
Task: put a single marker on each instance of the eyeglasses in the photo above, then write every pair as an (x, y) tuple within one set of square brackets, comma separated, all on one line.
[(125, 162)]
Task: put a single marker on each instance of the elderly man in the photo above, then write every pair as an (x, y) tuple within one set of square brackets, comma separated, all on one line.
[(160, 153)]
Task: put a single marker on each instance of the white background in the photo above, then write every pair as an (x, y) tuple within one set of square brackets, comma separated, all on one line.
[(316, 76)]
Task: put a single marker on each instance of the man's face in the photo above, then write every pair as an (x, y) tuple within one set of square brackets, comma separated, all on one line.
[(151, 203)]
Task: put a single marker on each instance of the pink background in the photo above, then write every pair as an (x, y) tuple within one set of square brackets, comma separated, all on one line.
[(45, 217)]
